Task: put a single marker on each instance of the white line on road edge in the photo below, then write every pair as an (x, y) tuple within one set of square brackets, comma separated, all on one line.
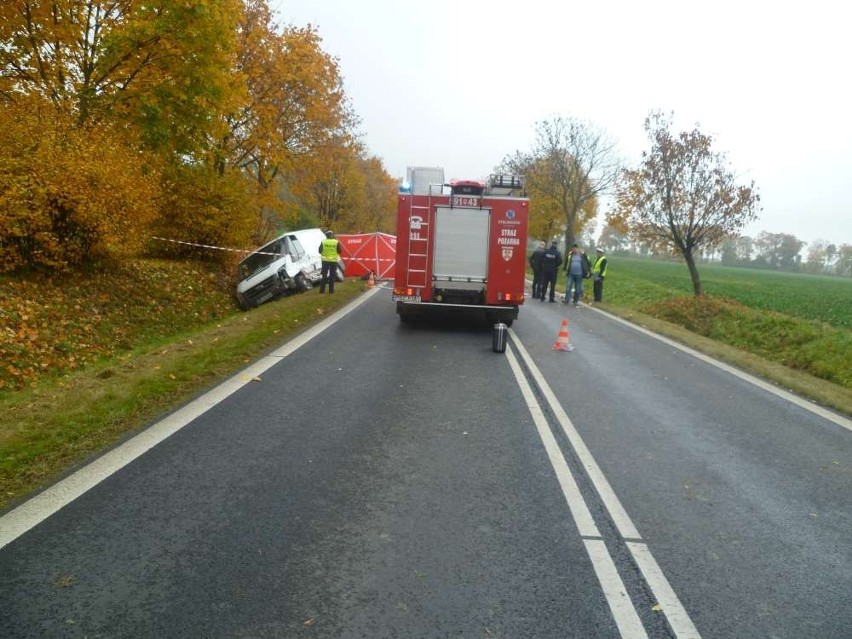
[(35, 510), (651, 572), (625, 616), (779, 392)]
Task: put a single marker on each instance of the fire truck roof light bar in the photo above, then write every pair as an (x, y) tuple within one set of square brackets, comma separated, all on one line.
[(506, 181), (506, 185)]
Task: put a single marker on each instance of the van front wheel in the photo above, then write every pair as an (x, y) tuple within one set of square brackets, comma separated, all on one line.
[(303, 283)]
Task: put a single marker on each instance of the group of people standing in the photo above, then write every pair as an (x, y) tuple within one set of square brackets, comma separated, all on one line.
[(545, 263)]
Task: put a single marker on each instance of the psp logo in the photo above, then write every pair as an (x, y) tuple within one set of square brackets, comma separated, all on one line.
[(510, 214)]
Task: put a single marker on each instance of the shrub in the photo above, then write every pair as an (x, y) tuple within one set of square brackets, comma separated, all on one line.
[(68, 194)]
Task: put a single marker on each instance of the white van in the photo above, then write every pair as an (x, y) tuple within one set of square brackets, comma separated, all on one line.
[(312, 239), (289, 263)]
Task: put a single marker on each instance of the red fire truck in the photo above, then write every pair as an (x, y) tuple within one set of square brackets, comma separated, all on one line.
[(461, 246)]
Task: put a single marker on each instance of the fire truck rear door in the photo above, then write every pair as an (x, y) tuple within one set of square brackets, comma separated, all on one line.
[(461, 244)]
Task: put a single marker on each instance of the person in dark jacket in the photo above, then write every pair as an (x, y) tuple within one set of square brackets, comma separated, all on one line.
[(550, 263), (535, 264)]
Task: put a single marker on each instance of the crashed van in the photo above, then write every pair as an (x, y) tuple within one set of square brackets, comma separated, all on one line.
[(290, 263)]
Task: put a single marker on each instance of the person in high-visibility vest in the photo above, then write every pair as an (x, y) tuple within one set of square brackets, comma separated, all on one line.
[(599, 273), (329, 250)]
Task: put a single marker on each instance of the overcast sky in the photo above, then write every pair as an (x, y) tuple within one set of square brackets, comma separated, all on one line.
[(462, 83)]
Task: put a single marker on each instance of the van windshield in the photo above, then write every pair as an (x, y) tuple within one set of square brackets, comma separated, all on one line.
[(260, 259)]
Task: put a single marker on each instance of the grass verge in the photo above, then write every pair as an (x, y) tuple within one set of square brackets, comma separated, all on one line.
[(827, 394), (56, 424)]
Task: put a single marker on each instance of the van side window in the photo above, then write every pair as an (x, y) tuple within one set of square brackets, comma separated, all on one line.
[(296, 251)]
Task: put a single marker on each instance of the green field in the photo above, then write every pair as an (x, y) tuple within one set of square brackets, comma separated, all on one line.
[(803, 322), (634, 281)]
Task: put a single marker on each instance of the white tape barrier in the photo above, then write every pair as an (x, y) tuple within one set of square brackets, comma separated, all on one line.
[(210, 246)]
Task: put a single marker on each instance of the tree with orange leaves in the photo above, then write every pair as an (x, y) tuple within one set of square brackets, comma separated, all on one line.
[(163, 66), (294, 106), (102, 95), (682, 196)]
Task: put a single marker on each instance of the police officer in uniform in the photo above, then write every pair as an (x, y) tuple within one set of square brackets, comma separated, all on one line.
[(330, 253), (599, 273), (535, 263), (550, 262)]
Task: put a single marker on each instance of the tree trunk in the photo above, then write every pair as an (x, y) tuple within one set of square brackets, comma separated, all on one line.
[(693, 273)]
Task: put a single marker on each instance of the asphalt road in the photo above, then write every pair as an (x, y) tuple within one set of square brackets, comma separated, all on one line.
[(373, 479)]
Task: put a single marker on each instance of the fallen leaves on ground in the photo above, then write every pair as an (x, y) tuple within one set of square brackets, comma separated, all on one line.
[(54, 324)]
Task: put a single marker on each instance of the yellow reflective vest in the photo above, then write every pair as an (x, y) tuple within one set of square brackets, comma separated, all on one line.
[(329, 249), (599, 266)]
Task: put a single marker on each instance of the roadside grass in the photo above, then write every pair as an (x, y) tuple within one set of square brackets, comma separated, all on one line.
[(821, 298), (55, 324), (63, 417), (832, 396), (766, 315)]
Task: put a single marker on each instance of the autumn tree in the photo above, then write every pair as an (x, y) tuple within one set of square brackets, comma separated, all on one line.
[(613, 238), (546, 218), (547, 215), (162, 65), (683, 196), (211, 96), (68, 194), (779, 251), (352, 193), (198, 203), (844, 260), (822, 257), (378, 211), (106, 93), (571, 166), (329, 183), (295, 104)]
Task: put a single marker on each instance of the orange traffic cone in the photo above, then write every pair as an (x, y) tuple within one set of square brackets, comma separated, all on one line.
[(371, 282), (562, 342)]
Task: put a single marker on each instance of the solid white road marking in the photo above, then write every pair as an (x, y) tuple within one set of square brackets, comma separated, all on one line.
[(660, 587), (622, 521), (625, 616), (35, 510), (666, 597), (583, 518), (751, 379)]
